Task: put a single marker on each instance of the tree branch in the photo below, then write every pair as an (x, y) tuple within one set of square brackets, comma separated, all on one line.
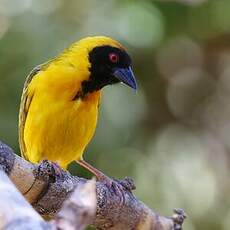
[(46, 192), (16, 213), (79, 210)]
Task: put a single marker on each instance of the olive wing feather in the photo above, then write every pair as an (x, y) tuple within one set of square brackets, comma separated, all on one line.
[(25, 104)]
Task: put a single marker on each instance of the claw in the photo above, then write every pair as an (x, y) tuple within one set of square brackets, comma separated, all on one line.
[(119, 187), (178, 218), (128, 183), (48, 170), (57, 169)]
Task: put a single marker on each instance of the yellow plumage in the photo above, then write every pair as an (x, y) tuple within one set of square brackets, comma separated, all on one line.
[(52, 124)]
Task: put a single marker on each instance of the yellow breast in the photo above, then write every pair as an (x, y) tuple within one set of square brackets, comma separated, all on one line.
[(58, 128)]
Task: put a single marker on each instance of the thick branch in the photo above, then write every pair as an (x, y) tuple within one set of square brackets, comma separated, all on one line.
[(79, 210), (16, 213), (47, 192)]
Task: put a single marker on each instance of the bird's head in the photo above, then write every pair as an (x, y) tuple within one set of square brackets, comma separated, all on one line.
[(109, 63)]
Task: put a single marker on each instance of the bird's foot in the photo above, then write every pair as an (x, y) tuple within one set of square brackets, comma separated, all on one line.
[(118, 187), (178, 218), (57, 169), (48, 171)]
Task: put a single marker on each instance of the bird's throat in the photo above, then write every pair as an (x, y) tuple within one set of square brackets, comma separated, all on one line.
[(86, 88)]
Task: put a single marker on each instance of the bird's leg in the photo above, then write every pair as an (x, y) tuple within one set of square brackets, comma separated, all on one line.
[(99, 175), (117, 186)]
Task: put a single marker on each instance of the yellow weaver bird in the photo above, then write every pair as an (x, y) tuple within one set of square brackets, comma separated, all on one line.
[(60, 100)]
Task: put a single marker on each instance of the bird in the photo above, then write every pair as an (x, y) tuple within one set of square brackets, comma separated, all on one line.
[(61, 100)]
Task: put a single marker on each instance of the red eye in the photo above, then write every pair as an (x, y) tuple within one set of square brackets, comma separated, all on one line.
[(114, 58)]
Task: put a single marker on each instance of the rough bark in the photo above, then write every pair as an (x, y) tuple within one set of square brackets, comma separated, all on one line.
[(79, 210), (47, 191), (16, 213)]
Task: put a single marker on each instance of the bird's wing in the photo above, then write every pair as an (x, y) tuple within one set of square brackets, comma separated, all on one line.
[(25, 104)]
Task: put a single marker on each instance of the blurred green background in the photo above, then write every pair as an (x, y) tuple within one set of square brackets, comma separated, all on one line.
[(173, 135)]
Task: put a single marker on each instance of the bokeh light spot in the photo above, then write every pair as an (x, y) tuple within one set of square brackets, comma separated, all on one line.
[(14, 7), (140, 24)]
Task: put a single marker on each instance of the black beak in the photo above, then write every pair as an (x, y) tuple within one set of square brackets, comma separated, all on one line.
[(126, 76)]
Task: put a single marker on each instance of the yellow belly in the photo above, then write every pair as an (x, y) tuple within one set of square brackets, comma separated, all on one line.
[(58, 130)]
